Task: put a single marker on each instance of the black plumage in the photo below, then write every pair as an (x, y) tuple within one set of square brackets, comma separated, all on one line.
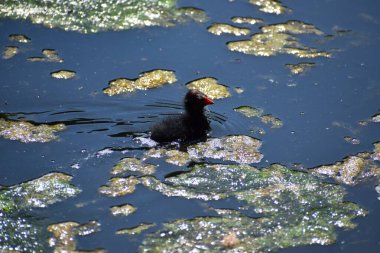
[(191, 126)]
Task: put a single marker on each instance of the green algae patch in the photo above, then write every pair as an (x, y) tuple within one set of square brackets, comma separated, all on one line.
[(249, 111), (41, 192), (123, 210), (63, 74), (293, 27), (279, 39), (49, 55), (271, 44), (131, 164), (176, 157), (65, 233), (19, 234), (9, 52), (237, 148), (376, 152), (270, 6), (148, 80), (351, 171), (246, 20), (94, 16), (219, 29), (20, 38), (299, 68), (210, 87), (376, 118), (119, 186), (295, 209), (270, 119), (135, 230), (28, 132), (23, 233)]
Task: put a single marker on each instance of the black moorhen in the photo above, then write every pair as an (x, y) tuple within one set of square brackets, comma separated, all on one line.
[(191, 126)]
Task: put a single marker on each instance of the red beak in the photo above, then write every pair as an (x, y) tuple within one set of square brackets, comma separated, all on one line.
[(207, 100)]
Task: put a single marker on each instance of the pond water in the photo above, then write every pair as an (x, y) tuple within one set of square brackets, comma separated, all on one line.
[(327, 113)]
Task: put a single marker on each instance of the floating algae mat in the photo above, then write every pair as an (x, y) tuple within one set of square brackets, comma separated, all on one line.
[(352, 170), (235, 148), (20, 38), (147, 80), (119, 186), (299, 68), (280, 39), (270, 6), (124, 210), (294, 209), (28, 132), (132, 164), (65, 233), (63, 74), (210, 87), (250, 112), (88, 16), (9, 52), (49, 55), (135, 230), (24, 234), (220, 28)]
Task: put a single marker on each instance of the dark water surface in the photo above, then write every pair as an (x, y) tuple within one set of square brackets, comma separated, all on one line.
[(318, 108)]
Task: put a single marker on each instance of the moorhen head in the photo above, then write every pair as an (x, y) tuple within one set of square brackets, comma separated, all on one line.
[(191, 126)]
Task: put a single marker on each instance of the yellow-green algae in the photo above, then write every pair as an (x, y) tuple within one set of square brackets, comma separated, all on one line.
[(293, 27), (236, 148), (376, 152), (268, 118), (123, 210), (249, 111), (23, 233), (49, 55), (300, 68), (350, 171), (20, 38), (376, 118), (65, 233), (27, 132), (132, 164), (210, 87), (92, 16), (275, 39), (270, 44), (246, 20), (295, 209), (219, 29), (176, 157), (63, 74), (9, 52), (270, 6), (135, 230), (148, 80), (119, 186)]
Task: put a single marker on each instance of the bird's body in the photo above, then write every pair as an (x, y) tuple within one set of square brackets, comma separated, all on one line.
[(192, 125)]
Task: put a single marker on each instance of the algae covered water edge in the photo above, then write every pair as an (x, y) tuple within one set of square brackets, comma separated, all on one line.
[(291, 163)]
